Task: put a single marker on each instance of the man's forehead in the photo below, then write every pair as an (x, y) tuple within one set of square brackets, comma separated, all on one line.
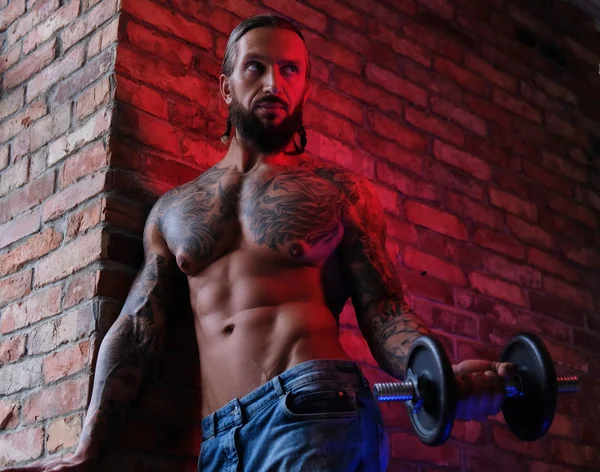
[(275, 43)]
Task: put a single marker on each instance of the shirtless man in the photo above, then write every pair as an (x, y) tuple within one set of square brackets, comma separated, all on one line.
[(273, 244)]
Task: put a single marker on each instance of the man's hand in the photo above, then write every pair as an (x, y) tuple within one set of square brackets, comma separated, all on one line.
[(72, 463), (484, 382)]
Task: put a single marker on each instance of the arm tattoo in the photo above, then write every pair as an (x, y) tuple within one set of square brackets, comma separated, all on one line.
[(135, 338), (384, 316)]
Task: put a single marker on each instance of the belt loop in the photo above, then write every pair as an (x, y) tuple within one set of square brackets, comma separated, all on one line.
[(277, 385)]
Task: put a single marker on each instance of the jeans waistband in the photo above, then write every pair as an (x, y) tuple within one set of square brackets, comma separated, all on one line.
[(240, 411)]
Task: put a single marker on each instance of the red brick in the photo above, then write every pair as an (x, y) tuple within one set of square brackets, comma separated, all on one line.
[(547, 262), (9, 414), (497, 288), (56, 400), (10, 13), (383, 13), (76, 31), (66, 362), (73, 195), (548, 179), (499, 242), (563, 167), (407, 446), (572, 210), (81, 287), (11, 102), (70, 258), (396, 85), (167, 49), (334, 151), (557, 308), (402, 231), (93, 98), (520, 274), (103, 38), (458, 115), (477, 459), (504, 439), (582, 52), (588, 432), (456, 251), (586, 196), (488, 71), (332, 52), (22, 445), (3, 157), (416, 285), (436, 220), (300, 13), (33, 248), (19, 228), (530, 233), (459, 75), (444, 8), (47, 128), (335, 9), (471, 210), (13, 126), (78, 81), (567, 228), (149, 130), (505, 61), (13, 177), (489, 111), (462, 160), (10, 58), (512, 204), (404, 136), (329, 124), (63, 433), (566, 291), (404, 184), (356, 346), (562, 128), (37, 11), (11, 350), (15, 287), (555, 89), (69, 327), (337, 103), (388, 198), (45, 30), (568, 452), (41, 305), (142, 97), (540, 99), (449, 177), (374, 96), (82, 164), (436, 38), (20, 376), (200, 152), (435, 126), (81, 221), (582, 255), (389, 151), (515, 105), (433, 266), (96, 126), (402, 46), (429, 80), (29, 66)]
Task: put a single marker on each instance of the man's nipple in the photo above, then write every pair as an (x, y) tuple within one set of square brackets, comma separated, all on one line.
[(228, 329)]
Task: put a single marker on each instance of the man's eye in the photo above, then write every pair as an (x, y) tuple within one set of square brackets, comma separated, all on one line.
[(253, 66), (291, 68)]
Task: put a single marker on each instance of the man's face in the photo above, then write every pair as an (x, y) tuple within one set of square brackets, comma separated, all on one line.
[(268, 87)]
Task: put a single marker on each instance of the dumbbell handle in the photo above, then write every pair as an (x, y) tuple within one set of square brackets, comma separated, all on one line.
[(405, 391)]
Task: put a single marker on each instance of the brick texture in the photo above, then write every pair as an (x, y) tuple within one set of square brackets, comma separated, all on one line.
[(477, 121)]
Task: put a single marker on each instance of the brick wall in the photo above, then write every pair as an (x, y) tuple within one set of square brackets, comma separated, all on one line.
[(478, 120)]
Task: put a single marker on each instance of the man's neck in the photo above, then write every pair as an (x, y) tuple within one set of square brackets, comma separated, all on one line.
[(245, 158)]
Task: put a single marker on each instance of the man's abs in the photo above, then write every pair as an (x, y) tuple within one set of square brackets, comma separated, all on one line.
[(257, 314)]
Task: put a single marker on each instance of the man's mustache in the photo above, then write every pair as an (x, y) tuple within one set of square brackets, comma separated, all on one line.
[(271, 101)]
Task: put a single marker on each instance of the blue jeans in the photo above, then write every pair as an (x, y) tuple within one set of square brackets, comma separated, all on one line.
[(317, 416)]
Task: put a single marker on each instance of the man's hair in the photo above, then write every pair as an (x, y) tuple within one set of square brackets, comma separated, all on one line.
[(259, 21)]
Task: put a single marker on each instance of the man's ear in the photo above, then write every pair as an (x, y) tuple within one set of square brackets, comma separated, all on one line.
[(307, 93), (225, 89)]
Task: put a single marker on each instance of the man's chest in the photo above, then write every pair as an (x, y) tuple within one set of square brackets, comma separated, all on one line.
[(298, 213)]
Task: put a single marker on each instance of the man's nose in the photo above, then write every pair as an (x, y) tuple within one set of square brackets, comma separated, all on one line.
[(272, 82)]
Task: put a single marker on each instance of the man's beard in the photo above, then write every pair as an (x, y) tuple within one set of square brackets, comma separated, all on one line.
[(265, 138)]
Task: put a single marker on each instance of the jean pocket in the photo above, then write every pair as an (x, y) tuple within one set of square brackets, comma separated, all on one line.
[(320, 404)]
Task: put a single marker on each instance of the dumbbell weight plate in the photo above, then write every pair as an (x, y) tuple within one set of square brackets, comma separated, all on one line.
[(433, 420), (529, 416)]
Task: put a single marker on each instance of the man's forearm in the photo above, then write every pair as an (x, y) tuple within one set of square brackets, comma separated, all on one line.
[(391, 329)]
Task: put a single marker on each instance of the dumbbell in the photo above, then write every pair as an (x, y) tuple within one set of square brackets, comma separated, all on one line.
[(431, 392)]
